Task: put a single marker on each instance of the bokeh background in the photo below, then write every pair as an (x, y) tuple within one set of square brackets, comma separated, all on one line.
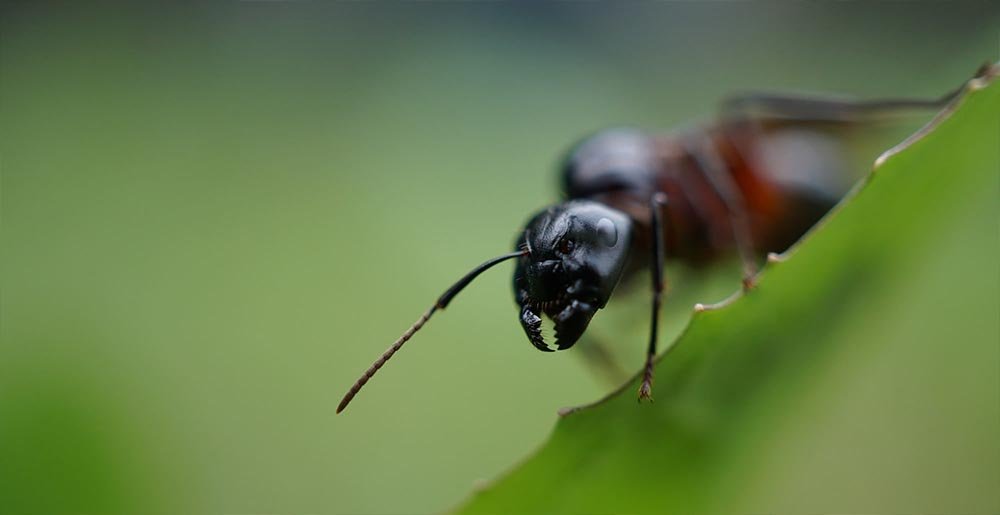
[(214, 218)]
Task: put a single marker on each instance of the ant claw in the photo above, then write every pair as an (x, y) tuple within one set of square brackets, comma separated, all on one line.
[(646, 392)]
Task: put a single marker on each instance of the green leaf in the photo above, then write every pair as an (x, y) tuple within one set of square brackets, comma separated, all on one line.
[(860, 376)]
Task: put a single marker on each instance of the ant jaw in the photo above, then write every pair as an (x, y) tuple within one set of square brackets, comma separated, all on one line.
[(570, 318), (572, 321), (532, 325)]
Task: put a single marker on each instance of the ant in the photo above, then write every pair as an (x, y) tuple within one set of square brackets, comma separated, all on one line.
[(754, 180)]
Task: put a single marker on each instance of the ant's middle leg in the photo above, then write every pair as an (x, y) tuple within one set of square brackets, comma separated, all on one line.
[(703, 151)]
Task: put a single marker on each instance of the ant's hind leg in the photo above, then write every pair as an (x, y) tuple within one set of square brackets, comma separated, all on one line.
[(777, 107), (824, 108), (656, 207)]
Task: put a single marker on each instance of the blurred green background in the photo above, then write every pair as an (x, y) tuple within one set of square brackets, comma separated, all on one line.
[(214, 218)]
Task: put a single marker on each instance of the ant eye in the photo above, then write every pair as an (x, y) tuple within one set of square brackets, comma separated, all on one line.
[(565, 246)]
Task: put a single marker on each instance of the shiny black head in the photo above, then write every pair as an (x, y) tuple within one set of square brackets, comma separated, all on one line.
[(576, 254)]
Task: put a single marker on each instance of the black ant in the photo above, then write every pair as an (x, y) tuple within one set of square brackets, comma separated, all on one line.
[(745, 184)]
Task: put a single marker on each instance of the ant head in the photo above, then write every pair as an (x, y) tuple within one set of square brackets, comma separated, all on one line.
[(575, 255)]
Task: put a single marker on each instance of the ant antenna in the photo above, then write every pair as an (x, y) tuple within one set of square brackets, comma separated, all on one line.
[(442, 302)]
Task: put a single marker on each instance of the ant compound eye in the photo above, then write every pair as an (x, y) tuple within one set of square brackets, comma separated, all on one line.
[(565, 246), (607, 233)]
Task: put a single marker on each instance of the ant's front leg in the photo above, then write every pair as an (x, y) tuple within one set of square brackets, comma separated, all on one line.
[(656, 205), (600, 361)]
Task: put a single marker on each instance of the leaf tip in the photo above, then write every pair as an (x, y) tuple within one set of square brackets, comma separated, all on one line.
[(984, 76)]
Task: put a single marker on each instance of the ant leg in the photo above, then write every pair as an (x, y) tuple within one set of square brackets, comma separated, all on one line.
[(656, 207), (600, 360), (792, 107), (815, 108), (704, 153)]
